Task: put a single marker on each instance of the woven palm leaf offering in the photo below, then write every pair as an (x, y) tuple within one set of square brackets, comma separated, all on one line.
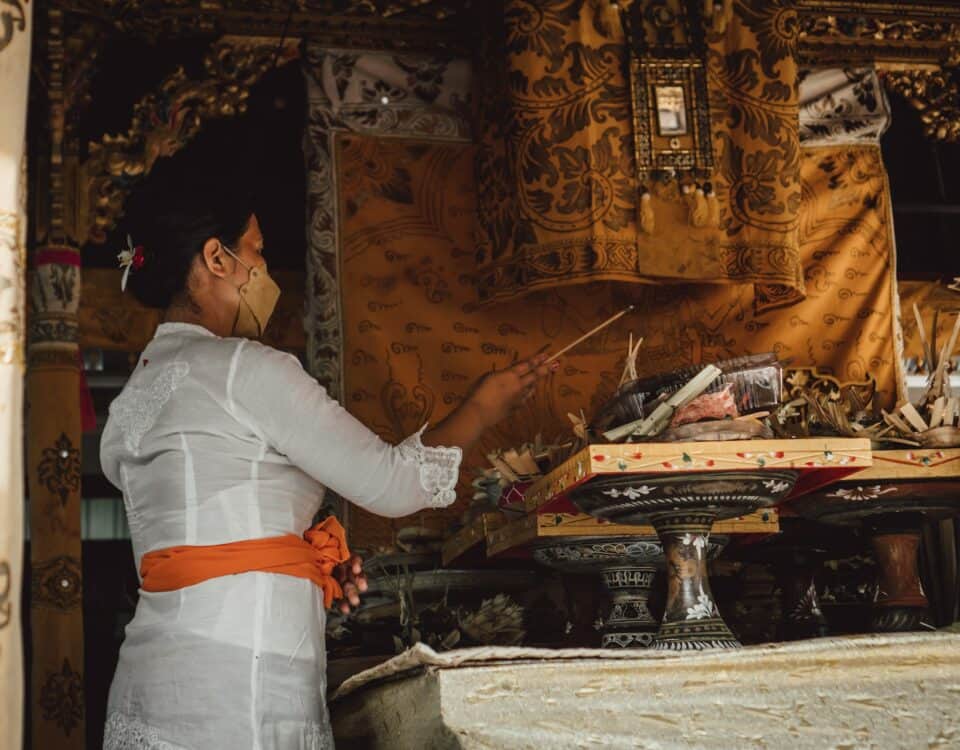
[(816, 405), (934, 422), (512, 470)]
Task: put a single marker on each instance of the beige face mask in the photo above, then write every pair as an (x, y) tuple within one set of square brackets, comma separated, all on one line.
[(258, 298)]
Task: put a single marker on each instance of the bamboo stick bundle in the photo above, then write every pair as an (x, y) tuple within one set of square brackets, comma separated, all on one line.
[(660, 417)]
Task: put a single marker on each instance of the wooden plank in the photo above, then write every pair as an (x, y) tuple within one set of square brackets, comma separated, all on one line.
[(470, 536)]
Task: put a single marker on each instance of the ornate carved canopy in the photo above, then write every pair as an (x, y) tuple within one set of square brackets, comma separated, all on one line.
[(917, 41)]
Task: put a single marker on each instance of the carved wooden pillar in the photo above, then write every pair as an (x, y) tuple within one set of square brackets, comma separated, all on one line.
[(16, 30), (53, 454)]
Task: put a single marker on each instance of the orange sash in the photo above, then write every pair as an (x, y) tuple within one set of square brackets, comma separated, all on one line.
[(314, 556)]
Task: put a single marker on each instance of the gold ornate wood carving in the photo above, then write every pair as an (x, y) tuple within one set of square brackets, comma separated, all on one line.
[(935, 95), (918, 42), (848, 33), (810, 378), (163, 122)]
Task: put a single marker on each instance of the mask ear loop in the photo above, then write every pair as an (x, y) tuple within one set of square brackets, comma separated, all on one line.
[(234, 256), (249, 271)]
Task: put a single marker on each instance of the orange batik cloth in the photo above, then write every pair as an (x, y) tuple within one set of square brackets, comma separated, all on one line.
[(314, 556)]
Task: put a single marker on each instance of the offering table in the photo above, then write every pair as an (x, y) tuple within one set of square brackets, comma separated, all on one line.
[(681, 490)]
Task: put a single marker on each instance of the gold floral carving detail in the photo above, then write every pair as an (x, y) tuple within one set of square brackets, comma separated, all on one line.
[(164, 122), (935, 95), (799, 378), (880, 29), (843, 31)]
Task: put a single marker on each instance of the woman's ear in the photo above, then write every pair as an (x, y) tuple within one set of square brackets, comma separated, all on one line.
[(215, 257)]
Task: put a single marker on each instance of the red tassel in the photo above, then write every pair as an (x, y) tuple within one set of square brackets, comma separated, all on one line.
[(88, 415)]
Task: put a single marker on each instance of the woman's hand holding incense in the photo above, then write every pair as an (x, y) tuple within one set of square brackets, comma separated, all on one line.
[(498, 393), (492, 399)]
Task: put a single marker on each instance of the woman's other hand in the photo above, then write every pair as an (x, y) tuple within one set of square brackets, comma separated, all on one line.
[(352, 580)]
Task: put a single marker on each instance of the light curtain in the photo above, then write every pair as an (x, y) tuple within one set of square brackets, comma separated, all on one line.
[(15, 33)]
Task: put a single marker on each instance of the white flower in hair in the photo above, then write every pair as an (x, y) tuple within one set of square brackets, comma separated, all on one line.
[(130, 259)]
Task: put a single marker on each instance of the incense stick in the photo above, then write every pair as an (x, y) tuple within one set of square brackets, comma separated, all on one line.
[(927, 349), (588, 334)]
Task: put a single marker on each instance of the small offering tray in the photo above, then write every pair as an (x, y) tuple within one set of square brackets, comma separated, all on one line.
[(819, 462)]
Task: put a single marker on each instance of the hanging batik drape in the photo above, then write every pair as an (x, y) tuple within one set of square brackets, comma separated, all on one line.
[(558, 191), (16, 29)]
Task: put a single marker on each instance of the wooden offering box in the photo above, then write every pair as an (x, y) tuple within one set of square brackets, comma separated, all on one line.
[(470, 536)]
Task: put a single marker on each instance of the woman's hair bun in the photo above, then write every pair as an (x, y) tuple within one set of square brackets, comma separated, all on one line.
[(181, 204)]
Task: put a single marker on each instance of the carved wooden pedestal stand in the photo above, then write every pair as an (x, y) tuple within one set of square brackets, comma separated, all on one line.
[(691, 620), (682, 509), (795, 559), (628, 566), (800, 605), (892, 500), (681, 489)]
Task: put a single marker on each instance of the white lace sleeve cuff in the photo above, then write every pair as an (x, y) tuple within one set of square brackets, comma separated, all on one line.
[(439, 468)]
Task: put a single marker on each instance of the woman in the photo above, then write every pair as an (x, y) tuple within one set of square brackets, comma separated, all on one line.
[(222, 447)]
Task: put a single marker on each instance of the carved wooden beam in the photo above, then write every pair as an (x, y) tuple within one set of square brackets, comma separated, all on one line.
[(357, 24), (851, 33)]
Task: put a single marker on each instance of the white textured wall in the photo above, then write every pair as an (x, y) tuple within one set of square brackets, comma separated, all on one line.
[(15, 31)]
